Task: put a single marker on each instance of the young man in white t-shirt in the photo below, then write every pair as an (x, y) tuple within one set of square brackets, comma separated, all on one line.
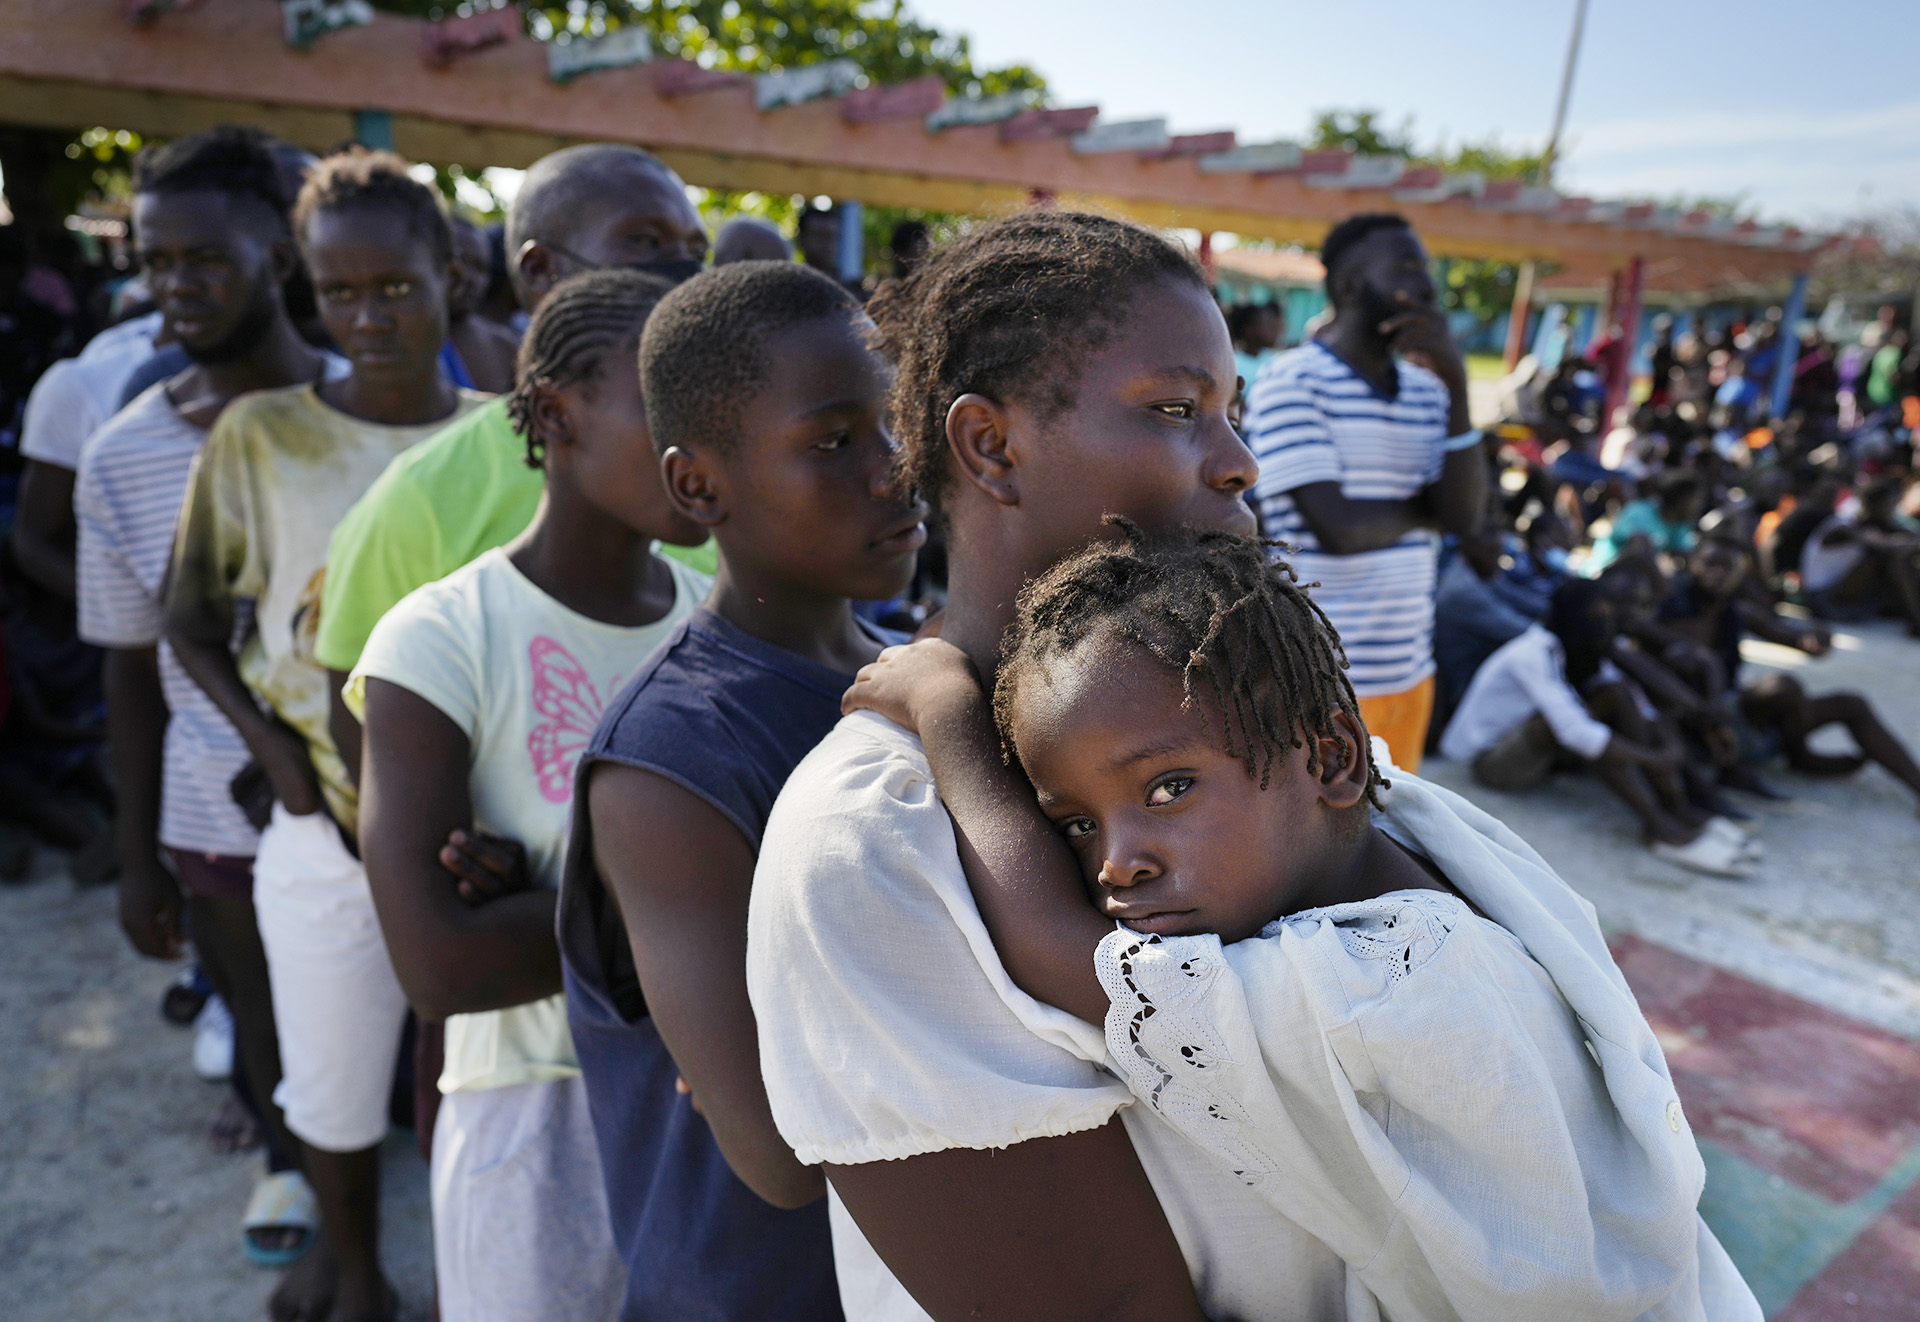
[(1051, 369)]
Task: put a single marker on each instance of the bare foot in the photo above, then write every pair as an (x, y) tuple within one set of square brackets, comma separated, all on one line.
[(375, 1302), (233, 1128), (306, 1292)]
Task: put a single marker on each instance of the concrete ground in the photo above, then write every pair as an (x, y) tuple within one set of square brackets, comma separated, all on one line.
[(113, 1206), (1833, 913), (1789, 1005)]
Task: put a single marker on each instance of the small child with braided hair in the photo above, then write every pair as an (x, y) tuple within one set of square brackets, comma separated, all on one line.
[(1365, 998)]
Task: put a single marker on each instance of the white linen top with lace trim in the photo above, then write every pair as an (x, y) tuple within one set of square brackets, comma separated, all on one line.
[(1470, 1111)]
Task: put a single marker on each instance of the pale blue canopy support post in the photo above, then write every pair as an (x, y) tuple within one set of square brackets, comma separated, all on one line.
[(373, 129), (853, 241), (1789, 347)]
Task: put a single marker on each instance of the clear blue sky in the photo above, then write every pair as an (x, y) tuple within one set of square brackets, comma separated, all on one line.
[(1808, 108)]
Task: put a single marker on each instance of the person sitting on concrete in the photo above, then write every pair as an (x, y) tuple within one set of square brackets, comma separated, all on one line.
[(1709, 605), (1865, 562), (1471, 621), (1665, 518), (1525, 715)]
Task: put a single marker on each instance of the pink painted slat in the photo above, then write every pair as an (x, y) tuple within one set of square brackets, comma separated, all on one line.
[(677, 77), (909, 100), (1029, 125)]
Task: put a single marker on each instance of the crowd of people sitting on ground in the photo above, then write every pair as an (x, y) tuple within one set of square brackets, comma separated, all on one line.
[(505, 648), (1596, 619)]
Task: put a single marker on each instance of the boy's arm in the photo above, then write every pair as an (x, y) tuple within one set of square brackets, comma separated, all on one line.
[(43, 527), (1813, 639), (1668, 689), (199, 624), (1459, 498), (1024, 878), (452, 957), (150, 901), (343, 725), (680, 873)]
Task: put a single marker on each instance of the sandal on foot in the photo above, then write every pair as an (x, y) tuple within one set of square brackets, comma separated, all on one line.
[(1709, 853), (281, 1202)]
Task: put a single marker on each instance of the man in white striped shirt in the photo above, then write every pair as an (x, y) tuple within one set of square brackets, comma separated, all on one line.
[(1366, 454), (210, 229)]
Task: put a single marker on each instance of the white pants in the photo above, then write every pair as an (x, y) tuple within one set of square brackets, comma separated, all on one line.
[(336, 1002), (520, 1226)]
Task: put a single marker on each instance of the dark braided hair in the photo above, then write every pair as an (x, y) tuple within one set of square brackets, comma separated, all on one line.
[(357, 177), (584, 320), (1003, 312), (1220, 610)]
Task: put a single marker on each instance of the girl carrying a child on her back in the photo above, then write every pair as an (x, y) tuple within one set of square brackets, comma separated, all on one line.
[(1369, 1000)]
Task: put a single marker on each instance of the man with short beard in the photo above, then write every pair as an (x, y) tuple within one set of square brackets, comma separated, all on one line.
[(210, 225), (1365, 452)]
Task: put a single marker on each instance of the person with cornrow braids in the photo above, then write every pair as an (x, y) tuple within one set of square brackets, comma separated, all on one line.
[(1363, 997), (478, 693), (592, 206)]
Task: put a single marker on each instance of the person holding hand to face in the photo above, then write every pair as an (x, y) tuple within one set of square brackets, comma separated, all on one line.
[(1365, 453)]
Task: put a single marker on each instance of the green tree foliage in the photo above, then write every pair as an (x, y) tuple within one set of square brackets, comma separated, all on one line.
[(889, 43), (1360, 131)]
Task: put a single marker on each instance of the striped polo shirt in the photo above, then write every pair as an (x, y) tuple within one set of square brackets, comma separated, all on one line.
[(1311, 418), (132, 479)]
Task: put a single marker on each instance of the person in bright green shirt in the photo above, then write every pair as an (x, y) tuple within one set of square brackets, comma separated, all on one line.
[(1883, 371), (468, 489)]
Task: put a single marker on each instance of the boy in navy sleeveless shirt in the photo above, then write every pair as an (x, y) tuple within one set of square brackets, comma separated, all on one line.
[(768, 409)]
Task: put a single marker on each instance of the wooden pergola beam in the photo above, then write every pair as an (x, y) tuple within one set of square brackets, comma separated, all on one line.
[(76, 63)]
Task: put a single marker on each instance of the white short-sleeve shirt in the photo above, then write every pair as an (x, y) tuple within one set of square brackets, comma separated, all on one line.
[(889, 1028), (75, 396), (526, 680), (1527, 675)]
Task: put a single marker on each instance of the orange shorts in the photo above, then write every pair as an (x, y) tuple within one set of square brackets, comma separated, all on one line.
[(1401, 719)]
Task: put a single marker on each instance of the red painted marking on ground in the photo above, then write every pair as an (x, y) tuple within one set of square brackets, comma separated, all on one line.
[(1812, 1096), (1875, 1277)]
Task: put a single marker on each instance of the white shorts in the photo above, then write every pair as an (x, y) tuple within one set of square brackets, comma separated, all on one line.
[(336, 1001), (520, 1226)]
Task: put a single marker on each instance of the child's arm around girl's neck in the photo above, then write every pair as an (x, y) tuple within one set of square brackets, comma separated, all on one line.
[(1024, 877)]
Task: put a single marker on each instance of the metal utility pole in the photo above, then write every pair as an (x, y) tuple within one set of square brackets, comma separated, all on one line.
[(1523, 285), (1566, 91)]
